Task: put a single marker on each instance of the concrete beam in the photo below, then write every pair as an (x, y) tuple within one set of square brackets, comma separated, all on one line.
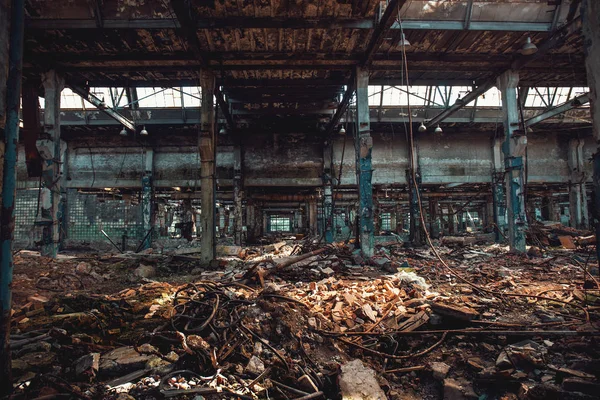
[(286, 23)]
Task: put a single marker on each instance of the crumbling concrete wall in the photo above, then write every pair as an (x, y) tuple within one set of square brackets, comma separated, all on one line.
[(297, 160), (282, 160)]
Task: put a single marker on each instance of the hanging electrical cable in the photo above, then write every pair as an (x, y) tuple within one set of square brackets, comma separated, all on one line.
[(424, 226)]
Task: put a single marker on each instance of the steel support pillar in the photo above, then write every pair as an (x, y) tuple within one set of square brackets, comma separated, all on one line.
[(328, 192), (147, 198), (514, 150), (52, 150), (11, 65), (578, 205), (590, 14), (364, 146), (207, 146), (238, 194)]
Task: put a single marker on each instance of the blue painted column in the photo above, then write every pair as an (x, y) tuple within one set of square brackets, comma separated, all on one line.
[(327, 192), (578, 205), (364, 146), (11, 60), (513, 148), (147, 198)]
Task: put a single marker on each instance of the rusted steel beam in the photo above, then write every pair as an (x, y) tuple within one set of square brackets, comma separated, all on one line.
[(556, 39), (387, 20)]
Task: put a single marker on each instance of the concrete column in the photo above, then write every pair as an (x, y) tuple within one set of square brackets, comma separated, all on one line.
[(393, 220), (514, 150), (452, 221), (238, 195), (312, 215), (328, 192), (207, 146), (578, 206), (364, 146), (52, 150), (376, 216), (498, 196), (250, 222), (554, 209), (435, 225), (590, 13), (399, 218), (147, 198)]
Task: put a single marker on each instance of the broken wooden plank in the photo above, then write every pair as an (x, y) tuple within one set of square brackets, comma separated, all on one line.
[(459, 312)]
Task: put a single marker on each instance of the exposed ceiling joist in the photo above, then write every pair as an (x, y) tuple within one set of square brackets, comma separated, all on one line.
[(389, 17), (519, 62)]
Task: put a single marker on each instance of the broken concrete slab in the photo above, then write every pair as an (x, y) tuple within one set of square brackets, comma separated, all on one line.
[(255, 366), (440, 370), (358, 382), (121, 361), (145, 271)]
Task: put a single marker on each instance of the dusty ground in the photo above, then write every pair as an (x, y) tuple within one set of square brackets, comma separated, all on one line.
[(494, 326)]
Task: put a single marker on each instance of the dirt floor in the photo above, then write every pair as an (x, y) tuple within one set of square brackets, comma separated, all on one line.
[(290, 320)]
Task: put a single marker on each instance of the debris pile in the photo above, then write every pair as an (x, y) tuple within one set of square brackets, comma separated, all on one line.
[(301, 320)]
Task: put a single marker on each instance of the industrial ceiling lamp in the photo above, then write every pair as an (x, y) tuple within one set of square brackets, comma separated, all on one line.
[(123, 132), (222, 131), (342, 130), (422, 128), (144, 132), (529, 48), (438, 129), (403, 41)]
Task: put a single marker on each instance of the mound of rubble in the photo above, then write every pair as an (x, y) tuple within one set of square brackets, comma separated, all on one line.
[(298, 320)]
